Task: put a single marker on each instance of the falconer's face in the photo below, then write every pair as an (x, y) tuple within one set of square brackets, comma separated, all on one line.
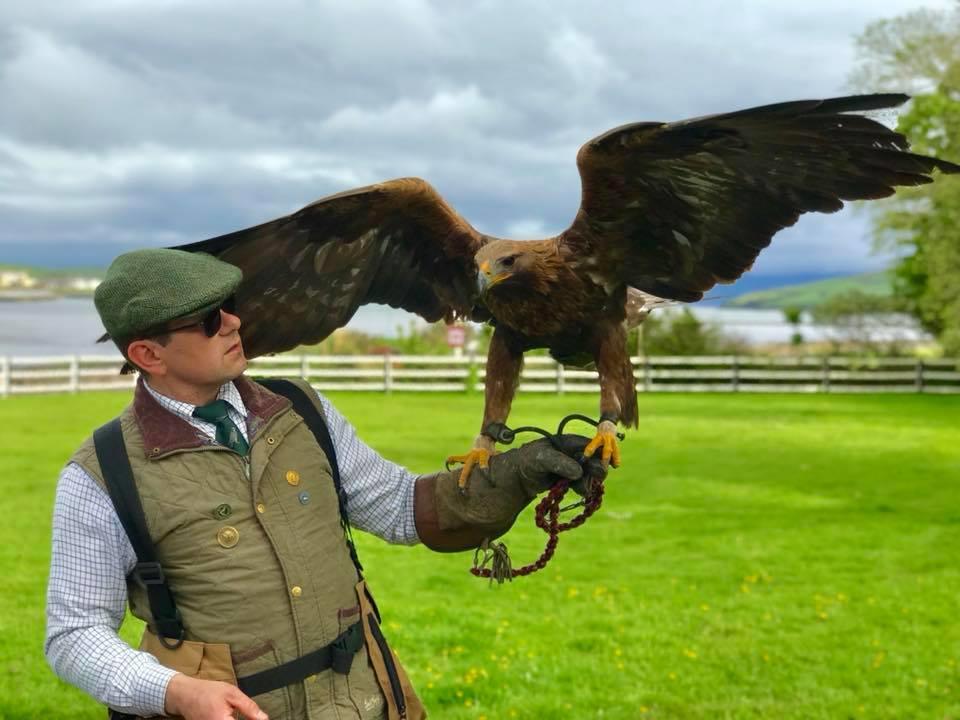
[(194, 358)]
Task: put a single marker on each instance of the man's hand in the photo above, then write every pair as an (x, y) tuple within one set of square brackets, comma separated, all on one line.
[(538, 465), (195, 699), (448, 520)]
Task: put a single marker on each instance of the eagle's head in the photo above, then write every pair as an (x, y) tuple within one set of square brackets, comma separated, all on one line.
[(504, 265)]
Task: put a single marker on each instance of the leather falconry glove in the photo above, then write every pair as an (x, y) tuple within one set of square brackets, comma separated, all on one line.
[(496, 496)]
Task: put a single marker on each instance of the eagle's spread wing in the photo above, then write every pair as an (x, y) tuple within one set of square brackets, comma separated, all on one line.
[(674, 208), (304, 275)]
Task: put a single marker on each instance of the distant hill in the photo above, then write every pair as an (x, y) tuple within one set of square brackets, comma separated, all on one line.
[(54, 273), (43, 283), (810, 294)]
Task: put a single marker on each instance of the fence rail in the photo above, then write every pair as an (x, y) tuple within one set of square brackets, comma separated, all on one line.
[(425, 373)]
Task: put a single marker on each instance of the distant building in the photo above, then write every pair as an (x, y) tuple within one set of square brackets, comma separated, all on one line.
[(16, 279), (84, 284)]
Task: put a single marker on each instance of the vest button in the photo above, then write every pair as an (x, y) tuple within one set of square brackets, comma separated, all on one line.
[(293, 477), (223, 511), (304, 497), (271, 441), (228, 536), (261, 508), (296, 591)]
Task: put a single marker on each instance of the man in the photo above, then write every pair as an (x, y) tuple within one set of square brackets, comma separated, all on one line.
[(240, 505)]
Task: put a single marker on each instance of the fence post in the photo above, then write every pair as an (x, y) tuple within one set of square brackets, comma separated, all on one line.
[(470, 382), (825, 379), (646, 373), (74, 381), (4, 376), (304, 367), (918, 377), (735, 373), (387, 373), (560, 377)]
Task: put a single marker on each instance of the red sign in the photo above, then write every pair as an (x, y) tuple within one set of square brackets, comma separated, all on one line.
[(456, 334)]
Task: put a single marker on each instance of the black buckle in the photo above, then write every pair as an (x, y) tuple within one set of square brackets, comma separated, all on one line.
[(148, 573), (341, 654)]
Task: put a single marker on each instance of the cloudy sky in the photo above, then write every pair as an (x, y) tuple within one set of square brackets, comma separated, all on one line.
[(127, 123)]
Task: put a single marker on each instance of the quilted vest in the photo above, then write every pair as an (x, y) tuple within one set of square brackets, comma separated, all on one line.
[(252, 548)]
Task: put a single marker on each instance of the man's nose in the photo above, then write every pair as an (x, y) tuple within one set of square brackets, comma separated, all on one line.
[(229, 320)]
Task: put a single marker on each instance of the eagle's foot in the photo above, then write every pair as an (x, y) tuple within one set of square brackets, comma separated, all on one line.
[(606, 441), (478, 456)]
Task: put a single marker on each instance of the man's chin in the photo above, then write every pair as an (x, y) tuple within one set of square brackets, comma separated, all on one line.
[(242, 361), (236, 363)]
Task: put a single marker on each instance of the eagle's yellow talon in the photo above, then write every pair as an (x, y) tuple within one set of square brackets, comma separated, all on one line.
[(476, 456), (593, 445), (606, 441)]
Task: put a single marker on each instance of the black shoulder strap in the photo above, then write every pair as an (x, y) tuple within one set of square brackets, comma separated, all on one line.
[(115, 466), (305, 408)]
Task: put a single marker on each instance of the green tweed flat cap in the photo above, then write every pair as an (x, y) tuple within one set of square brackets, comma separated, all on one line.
[(145, 289)]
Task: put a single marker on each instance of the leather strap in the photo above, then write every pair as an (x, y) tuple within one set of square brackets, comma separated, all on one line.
[(337, 655)]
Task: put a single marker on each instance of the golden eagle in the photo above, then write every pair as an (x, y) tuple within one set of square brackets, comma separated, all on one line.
[(667, 210)]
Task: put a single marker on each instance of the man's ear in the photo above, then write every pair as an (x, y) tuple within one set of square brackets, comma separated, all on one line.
[(145, 354)]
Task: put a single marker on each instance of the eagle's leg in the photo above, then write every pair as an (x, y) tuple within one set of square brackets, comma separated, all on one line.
[(618, 394), (500, 384)]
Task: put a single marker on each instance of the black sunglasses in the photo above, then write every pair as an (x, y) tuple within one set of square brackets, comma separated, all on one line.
[(211, 322)]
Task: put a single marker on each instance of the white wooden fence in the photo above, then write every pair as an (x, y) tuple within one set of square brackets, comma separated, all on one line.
[(423, 373)]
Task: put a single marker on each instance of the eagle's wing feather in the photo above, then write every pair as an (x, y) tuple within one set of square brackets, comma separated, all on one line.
[(674, 208), (304, 275)]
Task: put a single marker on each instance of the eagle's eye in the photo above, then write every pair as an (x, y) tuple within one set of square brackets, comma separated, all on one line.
[(508, 261)]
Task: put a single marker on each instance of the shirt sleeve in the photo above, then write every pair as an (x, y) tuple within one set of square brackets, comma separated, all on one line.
[(86, 602), (380, 493)]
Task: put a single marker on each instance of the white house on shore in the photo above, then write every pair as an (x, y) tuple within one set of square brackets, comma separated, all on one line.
[(10, 279), (83, 284)]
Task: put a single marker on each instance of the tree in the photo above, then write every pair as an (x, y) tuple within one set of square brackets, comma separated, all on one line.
[(794, 316), (920, 53)]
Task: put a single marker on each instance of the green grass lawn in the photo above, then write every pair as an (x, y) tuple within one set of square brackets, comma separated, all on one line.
[(756, 557)]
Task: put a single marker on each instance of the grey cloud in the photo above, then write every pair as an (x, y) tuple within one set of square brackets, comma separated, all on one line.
[(144, 122)]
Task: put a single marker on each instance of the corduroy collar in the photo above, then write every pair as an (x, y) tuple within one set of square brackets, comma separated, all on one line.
[(164, 432)]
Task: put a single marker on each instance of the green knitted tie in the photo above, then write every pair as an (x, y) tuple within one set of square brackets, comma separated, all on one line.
[(227, 431)]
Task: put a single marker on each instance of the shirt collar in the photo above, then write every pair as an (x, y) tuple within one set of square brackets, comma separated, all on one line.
[(227, 392), (165, 430)]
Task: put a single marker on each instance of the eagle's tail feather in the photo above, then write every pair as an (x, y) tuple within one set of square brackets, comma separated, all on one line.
[(629, 413)]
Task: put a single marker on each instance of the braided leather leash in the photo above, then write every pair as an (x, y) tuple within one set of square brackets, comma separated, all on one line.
[(491, 559)]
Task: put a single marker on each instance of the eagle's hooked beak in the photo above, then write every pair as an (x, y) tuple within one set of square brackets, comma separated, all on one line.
[(485, 279)]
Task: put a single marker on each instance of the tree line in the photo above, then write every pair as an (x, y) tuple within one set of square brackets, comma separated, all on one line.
[(919, 53)]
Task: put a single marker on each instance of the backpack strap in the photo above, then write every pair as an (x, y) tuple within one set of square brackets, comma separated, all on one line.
[(304, 406), (115, 466)]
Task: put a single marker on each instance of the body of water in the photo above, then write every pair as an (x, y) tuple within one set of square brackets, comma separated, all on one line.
[(761, 327), (69, 326)]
